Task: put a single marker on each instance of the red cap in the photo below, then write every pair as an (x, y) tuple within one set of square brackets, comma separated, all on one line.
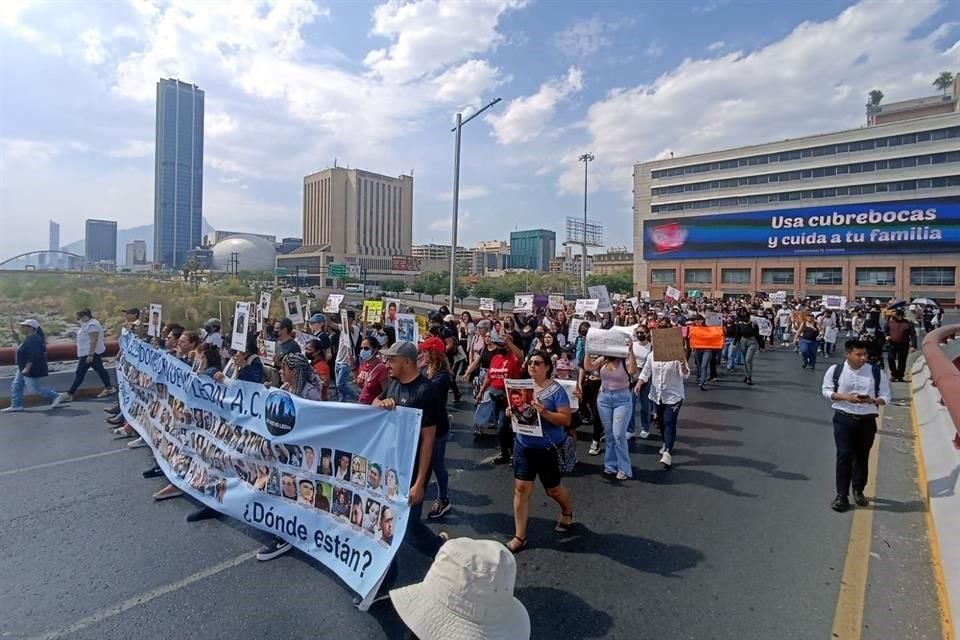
[(433, 343)]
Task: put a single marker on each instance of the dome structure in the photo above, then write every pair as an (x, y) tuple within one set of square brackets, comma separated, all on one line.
[(253, 254)]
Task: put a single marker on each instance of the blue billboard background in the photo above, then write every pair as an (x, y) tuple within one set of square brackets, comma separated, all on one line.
[(919, 226)]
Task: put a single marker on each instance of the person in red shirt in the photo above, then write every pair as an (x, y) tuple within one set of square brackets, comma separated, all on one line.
[(315, 354), (372, 373), (501, 363)]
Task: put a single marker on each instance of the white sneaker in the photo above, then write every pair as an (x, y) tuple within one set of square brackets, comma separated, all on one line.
[(662, 450), (644, 434), (594, 447), (11, 410), (666, 460), (136, 444), (61, 397), (631, 435)]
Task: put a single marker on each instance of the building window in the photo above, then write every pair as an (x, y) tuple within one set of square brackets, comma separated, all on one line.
[(735, 276), (663, 276), (825, 275), (698, 276), (933, 276), (876, 276), (776, 276)]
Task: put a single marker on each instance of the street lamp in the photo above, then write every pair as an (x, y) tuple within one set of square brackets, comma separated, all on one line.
[(586, 159), (456, 196)]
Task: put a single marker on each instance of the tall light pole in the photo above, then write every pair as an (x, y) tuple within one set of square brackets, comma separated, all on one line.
[(456, 196), (586, 159)]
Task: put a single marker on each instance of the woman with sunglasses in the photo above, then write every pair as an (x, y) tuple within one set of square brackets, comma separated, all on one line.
[(535, 456)]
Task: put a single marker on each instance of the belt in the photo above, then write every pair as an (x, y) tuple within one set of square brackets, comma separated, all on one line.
[(856, 416)]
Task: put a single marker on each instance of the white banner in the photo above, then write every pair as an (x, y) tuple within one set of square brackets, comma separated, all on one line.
[(835, 302), (291, 307), (778, 297), (603, 298), (487, 304), (586, 305), (602, 342)]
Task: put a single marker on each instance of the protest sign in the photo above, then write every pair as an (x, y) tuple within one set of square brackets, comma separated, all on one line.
[(835, 302), (672, 293), (585, 305), (705, 338), (603, 342), (345, 331), (668, 344), (694, 293), (273, 460), (372, 311), (391, 310), (241, 317), (645, 296), (712, 318), (555, 302), (332, 305), (523, 303), (765, 327), (422, 327), (263, 311), (487, 304), (634, 303), (270, 348), (570, 386), (603, 298), (574, 329), (291, 306), (830, 335), (407, 329), (778, 297), (524, 417), (154, 321), (259, 319), (766, 304)]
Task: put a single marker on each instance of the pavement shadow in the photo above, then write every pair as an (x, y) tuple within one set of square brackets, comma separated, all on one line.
[(944, 487), (896, 506), (683, 475), (467, 499), (697, 424), (720, 460), (560, 614)]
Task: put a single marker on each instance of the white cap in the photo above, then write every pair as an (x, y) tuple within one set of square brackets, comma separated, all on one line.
[(30, 322)]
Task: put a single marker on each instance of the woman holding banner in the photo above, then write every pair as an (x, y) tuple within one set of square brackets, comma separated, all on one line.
[(615, 405)]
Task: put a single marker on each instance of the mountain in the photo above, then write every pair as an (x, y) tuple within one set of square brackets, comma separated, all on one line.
[(143, 232)]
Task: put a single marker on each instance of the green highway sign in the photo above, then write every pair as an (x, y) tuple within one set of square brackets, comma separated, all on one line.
[(337, 270), (280, 271)]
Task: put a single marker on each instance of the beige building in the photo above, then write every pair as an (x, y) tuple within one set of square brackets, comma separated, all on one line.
[(870, 212), (353, 216), (614, 260), (916, 108)]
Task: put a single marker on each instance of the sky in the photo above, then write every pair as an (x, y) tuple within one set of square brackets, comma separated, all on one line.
[(292, 86)]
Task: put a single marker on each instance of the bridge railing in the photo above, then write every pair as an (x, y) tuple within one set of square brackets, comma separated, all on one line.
[(57, 352), (941, 350)]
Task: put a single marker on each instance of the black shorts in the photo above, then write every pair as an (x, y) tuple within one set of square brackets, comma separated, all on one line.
[(529, 463)]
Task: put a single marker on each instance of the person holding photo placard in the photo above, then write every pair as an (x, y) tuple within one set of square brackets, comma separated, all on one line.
[(615, 405)]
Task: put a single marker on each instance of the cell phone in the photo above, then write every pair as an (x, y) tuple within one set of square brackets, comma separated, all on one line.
[(862, 397)]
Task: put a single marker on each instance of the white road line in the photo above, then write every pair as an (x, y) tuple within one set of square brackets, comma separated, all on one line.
[(55, 463), (143, 598)]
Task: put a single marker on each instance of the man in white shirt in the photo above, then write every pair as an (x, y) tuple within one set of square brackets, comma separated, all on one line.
[(90, 348), (857, 391), (666, 395), (783, 324)]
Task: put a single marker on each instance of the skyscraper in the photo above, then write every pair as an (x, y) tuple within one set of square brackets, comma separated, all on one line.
[(54, 236), (100, 241), (178, 172), (532, 249)]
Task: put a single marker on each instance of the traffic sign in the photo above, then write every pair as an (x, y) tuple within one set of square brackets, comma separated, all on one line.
[(280, 271), (354, 271), (337, 270)]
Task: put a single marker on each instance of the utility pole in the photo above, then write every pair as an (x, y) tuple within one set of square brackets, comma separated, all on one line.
[(456, 196), (586, 159)]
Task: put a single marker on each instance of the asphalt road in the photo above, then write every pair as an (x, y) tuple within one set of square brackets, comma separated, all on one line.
[(736, 542)]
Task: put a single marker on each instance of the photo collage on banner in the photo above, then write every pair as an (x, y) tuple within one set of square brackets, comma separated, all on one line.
[(332, 482)]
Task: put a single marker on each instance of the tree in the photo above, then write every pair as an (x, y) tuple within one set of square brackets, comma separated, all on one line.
[(943, 81), (419, 286), (434, 286), (503, 291), (393, 285), (875, 97), (617, 282)]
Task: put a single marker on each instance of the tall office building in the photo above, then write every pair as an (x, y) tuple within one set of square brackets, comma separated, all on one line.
[(54, 236), (100, 241), (136, 253), (178, 172), (532, 249)]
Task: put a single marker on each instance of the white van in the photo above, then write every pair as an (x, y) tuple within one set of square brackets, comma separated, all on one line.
[(353, 288)]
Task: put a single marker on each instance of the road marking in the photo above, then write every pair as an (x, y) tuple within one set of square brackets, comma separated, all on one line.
[(55, 463), (939, 580), (144, 598), (848, 617)]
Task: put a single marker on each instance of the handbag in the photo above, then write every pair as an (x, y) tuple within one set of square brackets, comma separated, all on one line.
[(566, 454)]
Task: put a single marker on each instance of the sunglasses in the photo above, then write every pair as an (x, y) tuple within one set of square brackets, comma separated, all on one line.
[(536, 363)]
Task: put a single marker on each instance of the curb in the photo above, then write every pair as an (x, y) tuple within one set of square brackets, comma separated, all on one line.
[(37, 401)]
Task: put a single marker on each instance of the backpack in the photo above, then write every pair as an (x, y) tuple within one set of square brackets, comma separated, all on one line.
[(838, 369)]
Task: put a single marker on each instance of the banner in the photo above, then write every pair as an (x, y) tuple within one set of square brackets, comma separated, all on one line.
[(372, 311), (712, 318), (778, 297), (486, 304), (603, 298), (574, 331), (291, 306), (524, 417), (706, 337), (523, 303), (332, 305), (154, 321), (835, 302), (555, 302), (330, 478), (603, 342), (921, 226)]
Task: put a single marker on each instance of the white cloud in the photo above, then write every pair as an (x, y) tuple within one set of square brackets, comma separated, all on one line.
[(466, 193), (654, 50), (464, 85), (716, 46), (25, 153), (12, 21), (526, 117), (94, 52), (583, 38), (217, 123), (465, 222), (747, 98), (134, 149)]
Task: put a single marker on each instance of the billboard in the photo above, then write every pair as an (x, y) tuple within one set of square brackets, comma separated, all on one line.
[(920, 226)]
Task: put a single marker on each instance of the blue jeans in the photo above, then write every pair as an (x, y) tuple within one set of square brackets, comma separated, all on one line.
[(344, 389), (32, 385), (643, 399), (734, 357), (703, 357), (83, 366), (808, 352), (748, 347), (668, 414), (439, 466), (615, 408)]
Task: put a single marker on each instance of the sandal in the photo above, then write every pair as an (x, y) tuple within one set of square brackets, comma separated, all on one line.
[(517, 549), (564, 527)]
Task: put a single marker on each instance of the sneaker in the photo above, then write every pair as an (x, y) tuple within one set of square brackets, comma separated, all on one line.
[(11, 409), (594, 448), (644, 434), (631, 435), (273, 549), (106, 393), (115, 420), (859, 499), (840, 504), (662, 451), (169, 491), (441, 507), (501, 459), (114, 408), (666, 460), (154, 472), (57, 401), (68, 397), (139, 443)]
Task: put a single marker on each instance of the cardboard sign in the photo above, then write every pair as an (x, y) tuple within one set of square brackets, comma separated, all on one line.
[(603, 298), (241, 317), (703, 338), (672, 292), (332, 305), (487, 304), (523, 303), (778, 297), (668, 345), (291, 306), (585, 305), (555, 302), (603, 342), (153, 322)]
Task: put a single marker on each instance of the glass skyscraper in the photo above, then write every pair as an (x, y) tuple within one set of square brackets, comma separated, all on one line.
[(178, 178)]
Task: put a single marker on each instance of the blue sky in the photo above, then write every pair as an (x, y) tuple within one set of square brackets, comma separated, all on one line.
[(292, 85)]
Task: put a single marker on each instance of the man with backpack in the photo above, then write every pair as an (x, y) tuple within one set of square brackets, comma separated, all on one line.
[(857, 390)]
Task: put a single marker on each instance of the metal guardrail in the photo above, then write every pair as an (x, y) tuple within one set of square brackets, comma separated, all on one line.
[(945, 372), (57, 352)]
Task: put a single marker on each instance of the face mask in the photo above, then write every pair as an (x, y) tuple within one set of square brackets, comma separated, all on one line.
[(366, 354), (642, 337)]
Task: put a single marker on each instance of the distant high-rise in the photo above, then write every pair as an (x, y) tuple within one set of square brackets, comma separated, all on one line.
[(54, 236), (532, 249), (100, 241), (136, 253), (178, 172)]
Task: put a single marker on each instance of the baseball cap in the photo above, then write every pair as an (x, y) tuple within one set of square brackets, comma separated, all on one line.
[(433, 344), (85, 313), (402, 349), (317, 318), (30, 322), (448, 318), (132, 311)]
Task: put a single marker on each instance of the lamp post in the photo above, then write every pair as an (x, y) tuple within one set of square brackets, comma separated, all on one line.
[(586, 159), (456, 196)]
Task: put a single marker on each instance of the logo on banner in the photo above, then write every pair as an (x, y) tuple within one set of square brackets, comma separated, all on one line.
[(668, 237), (281, 414)]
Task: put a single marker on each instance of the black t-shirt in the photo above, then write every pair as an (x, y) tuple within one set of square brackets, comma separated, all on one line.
[(416, 394), (285, 348), (809, 333)]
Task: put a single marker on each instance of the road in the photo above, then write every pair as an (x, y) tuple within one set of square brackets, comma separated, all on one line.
[(736, 542)]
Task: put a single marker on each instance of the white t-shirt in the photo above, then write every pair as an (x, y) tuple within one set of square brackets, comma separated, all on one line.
[(783, 318), (87, 329), (641, 352), (215, 339)]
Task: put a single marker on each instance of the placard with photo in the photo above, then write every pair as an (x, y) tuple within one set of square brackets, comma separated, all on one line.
[(241, 317), (154, 322), (291, 307), (524, 417)]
